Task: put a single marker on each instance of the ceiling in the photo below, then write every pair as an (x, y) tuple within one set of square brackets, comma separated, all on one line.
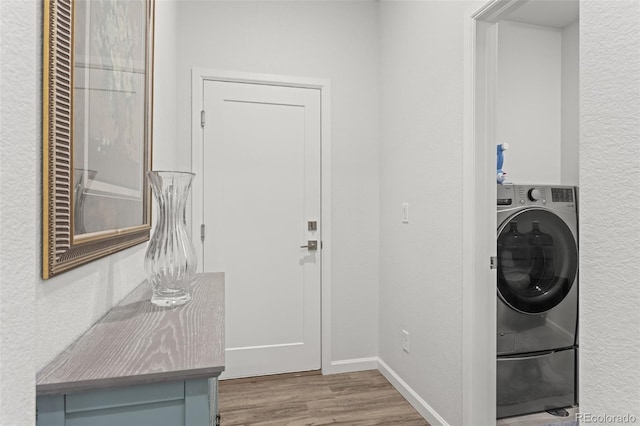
[(548, 13)]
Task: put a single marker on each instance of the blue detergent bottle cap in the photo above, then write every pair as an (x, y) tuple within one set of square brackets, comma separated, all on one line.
[(500, 174)]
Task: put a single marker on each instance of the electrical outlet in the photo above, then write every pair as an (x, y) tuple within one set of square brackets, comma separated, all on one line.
[(405, 341)]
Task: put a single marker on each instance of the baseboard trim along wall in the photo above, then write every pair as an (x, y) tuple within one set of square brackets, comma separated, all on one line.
[(375, 363), (411, 396), (352, 365)]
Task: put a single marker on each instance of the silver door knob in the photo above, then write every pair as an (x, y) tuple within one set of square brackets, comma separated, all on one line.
[(311, 245)]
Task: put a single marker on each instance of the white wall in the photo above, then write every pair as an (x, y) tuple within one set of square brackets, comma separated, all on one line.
[(19, 249), (529, 101), (332, 40), (610, 207), (421, 131), (40, 318), (166, 144), (570, 141)]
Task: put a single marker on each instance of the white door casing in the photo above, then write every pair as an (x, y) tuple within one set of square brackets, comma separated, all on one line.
[(479, 210), (258, 157)]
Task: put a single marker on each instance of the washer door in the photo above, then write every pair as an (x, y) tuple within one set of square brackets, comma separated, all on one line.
[(537, 261)]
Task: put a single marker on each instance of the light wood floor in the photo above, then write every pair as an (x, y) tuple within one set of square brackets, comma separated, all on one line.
[(358, 399)]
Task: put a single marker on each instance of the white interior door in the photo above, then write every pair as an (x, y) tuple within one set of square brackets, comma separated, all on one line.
[(261, 181)]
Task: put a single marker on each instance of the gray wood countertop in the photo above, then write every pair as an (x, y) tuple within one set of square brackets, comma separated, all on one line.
[(138, 343)]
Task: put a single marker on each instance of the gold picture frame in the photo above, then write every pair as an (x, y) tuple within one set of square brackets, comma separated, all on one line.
[(97, 129)]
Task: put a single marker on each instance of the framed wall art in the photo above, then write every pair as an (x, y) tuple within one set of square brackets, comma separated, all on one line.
[(97, 129)]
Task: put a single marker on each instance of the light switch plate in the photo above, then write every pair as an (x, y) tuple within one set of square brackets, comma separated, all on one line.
[(405, 212)]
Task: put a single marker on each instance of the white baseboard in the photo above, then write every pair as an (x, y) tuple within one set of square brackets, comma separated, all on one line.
[(352, 365), (375, 363), (411, 396)]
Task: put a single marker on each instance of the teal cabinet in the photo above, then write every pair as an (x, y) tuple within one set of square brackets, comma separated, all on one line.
[(141, 365), (189, 403)]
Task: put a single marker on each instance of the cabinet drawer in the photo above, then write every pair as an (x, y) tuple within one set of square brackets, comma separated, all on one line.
[(123, 397), (530, 384), (168, 413), (190, 403)]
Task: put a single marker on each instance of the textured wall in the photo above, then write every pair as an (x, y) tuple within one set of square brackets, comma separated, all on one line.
[(421, 116), (317, 39), (610, 207), (19, 144)]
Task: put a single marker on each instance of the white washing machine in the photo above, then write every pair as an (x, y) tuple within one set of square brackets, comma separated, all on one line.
[(537, 315)]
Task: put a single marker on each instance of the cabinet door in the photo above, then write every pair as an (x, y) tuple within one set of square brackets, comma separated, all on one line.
[(191, 403), (154, 404)]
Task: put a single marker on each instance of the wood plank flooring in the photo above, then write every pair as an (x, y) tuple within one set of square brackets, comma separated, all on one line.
[(360, 399)]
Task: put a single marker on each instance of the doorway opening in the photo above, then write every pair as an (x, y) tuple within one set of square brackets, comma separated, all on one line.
[(494, 82)]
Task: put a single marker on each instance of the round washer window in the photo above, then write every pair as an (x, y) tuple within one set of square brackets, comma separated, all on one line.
[(537, 261)]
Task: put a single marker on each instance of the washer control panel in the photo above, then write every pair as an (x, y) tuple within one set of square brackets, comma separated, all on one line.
[(522, 195), (506, 195), (532, 194), (562, 195)]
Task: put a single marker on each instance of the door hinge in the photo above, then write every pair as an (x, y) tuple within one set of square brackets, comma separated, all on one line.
[(202, 232), (202, 117)]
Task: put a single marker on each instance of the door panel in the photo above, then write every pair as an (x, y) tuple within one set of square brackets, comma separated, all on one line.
[(261, 186), (537, 261)]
